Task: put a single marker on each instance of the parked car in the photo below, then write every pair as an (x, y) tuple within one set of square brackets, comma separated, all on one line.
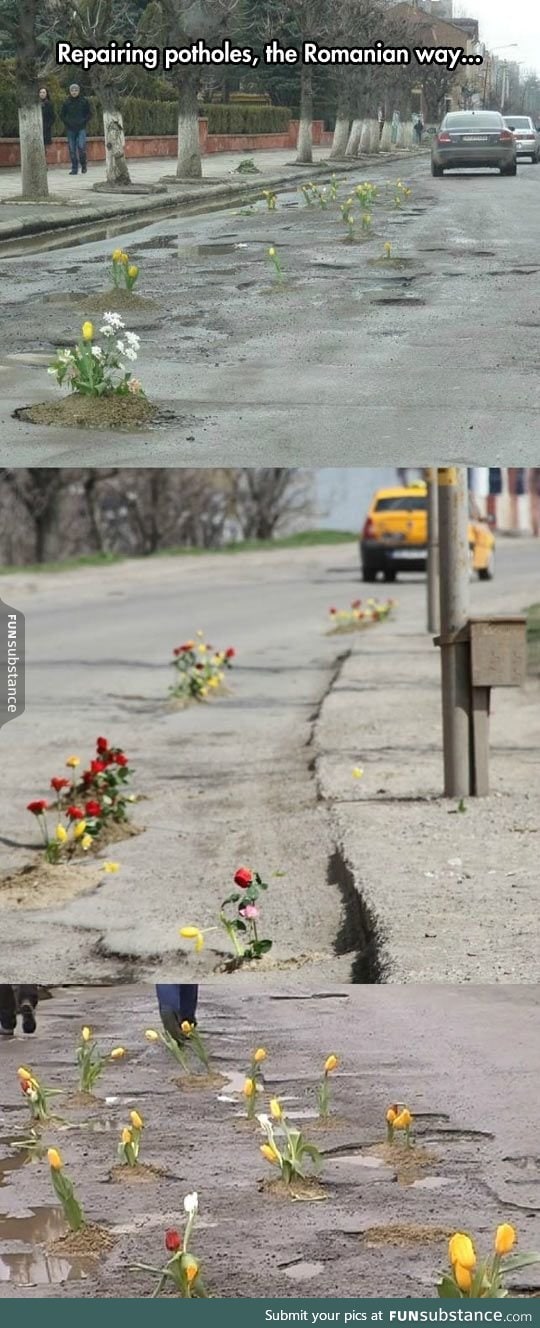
[(526, 135), (394, 537), (473, 138)]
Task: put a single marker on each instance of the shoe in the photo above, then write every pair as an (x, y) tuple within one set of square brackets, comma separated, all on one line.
[(6, 1032), (28, 1018), (73, 172), (83, 170)]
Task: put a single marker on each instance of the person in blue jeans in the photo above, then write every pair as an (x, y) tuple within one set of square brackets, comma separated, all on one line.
[(17, 1001), (75, 114), (177, 1004)]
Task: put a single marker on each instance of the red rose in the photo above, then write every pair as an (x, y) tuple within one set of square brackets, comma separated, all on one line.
[(173, 1242), (92, 809), (75, 813), (86, 777), (230, 653), (180, 650), (38, 807), (58, 784), (120, 758), (243, 877), (97, 767), (356, 603), (102, 745), (332, 610)]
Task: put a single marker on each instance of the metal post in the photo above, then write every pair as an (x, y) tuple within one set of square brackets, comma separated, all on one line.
[(454, 610), (432, 552)]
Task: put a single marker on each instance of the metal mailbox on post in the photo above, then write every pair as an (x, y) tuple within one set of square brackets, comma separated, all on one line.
[(497, 658)]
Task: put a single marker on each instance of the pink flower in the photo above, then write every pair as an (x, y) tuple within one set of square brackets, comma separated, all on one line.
[(249, 911)]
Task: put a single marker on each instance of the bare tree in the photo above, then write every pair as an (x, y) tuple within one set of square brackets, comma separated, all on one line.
[(93, 24), (263, 498), (20, 23)]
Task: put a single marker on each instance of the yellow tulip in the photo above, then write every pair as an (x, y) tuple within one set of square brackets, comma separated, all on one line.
[(61, 834), (79, 829), (186, 1028), (73, 761), (271, 252), (86, 1033), (86, 843), (331, 1063), (117, 254), (111, 867), (391, 1115), (260, 1055), (118, 1053), (127, 1137), (151, 1035), (463, 1277), (276, 1109), (124, 258), (404, 1120), (54, 1159), (191, 1270), (133, 271), (136, 1120), (193, 934), (26, 1074), (357, 772), (269, 1153), (87, 331), (505, 1238), (249, 1088), (461, 1251)]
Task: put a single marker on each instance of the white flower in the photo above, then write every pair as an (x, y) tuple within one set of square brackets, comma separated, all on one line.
[(130, 354), (264, 1122), (114, 320), (191, 1203), (97, 352), (107, 331), (133, 340), (120, 345)]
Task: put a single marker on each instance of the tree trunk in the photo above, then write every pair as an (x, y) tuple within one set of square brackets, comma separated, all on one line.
[(364, 139), (115, 147), (386, 137), (34, 182), (354, 138), (189, 166), (374, 136), (342, 125), (304, 145)]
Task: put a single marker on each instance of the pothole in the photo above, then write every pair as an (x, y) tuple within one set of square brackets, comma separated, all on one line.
[(37, 1268), (42, 1226), (405, 1234), (303, 1271)]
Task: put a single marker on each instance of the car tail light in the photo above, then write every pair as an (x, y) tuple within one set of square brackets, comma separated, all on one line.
[(444, 138), (369, 531), (506, 136)]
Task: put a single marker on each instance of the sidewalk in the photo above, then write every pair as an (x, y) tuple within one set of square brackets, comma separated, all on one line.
[(462, 884), (74, 202)]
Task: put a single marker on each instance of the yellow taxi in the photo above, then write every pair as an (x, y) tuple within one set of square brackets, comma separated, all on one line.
[(394, 537)]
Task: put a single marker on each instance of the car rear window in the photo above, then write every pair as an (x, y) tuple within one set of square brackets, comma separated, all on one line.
[(481, 120), (411, 503), (517, 121)]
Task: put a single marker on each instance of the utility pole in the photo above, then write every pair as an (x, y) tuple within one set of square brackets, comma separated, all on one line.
[(454, 611), (432, 551)]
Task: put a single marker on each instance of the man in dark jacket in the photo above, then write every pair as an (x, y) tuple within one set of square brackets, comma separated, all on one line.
[(15, 1000), (75, 113)]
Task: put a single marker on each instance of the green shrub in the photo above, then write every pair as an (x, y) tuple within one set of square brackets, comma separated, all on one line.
[(245, 118)]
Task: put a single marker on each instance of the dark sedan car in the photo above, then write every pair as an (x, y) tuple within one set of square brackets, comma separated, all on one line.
[(472, 139)]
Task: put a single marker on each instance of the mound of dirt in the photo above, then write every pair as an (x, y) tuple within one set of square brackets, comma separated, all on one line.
[(40, 884), (125, 413)]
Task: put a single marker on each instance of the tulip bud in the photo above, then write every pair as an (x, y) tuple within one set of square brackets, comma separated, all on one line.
[(186, 1028), (173, 1241), (269, 1153), (249, 1088), (276, 1109), (117, 1053), (463, 1277), (505, 1238), (151, 1035), (54, 1159), (61, 834), (260, 1055), (86, 1033), (136, 1120), (127, 1136), (87, 331), (331, 1063), (461, 1251)]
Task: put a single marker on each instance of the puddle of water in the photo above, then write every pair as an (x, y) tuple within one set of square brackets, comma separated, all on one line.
[(359, 1160), (42, 1226), (305, 1113), (12, 1163), (303, 1271), (40, 1269)]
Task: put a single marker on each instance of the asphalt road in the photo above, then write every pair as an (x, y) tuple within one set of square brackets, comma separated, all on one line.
[(221, 784), (432, 361), (465, 1060)]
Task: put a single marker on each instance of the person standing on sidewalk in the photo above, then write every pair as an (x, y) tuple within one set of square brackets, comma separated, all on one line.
[(177, 1004), (14, 1001), (47, 115), (75, 113)]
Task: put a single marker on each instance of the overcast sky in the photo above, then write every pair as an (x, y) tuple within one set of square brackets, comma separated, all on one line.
[(501, 23)]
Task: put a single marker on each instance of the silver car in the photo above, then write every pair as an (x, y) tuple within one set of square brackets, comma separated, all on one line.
[(473, 138), (526, 135)]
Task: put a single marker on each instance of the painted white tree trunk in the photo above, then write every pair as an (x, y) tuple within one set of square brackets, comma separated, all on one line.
[(407, 138), (34, 182), (304, 142), (354, 138), (374, 136), (365, 138), (115, 148), (189, 165), (386, 137), (340, 140)]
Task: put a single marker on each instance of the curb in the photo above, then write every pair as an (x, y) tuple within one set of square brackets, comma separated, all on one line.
[(197, 200)]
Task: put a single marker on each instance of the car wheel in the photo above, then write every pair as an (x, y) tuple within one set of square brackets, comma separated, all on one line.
[(368, 574), (436, 170), (487, 573), (509, 170), (389, 574)]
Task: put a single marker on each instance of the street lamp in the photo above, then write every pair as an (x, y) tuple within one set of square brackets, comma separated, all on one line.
[(509, 46)]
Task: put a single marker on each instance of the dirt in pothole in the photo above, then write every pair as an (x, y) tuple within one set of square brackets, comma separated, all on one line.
[(92, 1239), (110, 302), (191, 1083), (77, 411), (301, 1190), (408, 1163), (39, 885), (405, 1233), (143, 1172)]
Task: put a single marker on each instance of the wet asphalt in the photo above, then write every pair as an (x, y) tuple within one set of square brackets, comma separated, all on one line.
[(431, 360)]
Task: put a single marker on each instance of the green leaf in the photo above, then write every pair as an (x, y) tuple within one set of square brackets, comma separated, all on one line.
[(517, 1261), (261, 947), (447, 1288)]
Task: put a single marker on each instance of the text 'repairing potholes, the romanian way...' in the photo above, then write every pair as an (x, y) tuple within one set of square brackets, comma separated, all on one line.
[(226, 53)]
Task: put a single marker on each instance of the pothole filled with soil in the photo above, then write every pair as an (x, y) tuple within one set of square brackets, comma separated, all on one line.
[(91, 1240), (390, 262), (139, 1175), (193, 1083), (96, 303), (124, 413), (405, 1233), (40, 885), (407, 1163), (301, 1190)]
